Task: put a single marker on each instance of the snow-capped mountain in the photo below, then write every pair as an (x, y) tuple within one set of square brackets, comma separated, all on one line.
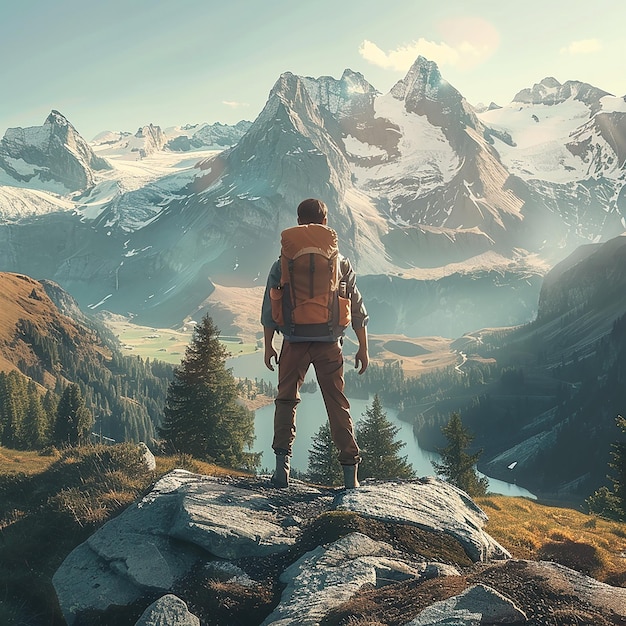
[(52, 157), (205, 136), (146, 141), (150, 139), (420, 187)]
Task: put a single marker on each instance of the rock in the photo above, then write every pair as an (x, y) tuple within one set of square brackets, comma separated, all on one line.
[(571, 582), (134, 553), (168, 610), (330, 575), (148, 457), (477, 605), (230, 522), (129, 555), (428, 503), (236, 540)]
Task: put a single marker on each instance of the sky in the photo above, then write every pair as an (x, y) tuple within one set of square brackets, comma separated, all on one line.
[(121, 64)]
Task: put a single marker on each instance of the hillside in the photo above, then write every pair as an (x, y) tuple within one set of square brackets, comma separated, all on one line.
[(28, 313), (39, 340), (541, 398)]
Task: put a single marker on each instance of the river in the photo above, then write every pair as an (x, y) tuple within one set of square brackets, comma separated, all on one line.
[(312, 413)]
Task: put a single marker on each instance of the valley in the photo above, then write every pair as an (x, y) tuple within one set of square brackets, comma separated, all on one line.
[(415, 355)]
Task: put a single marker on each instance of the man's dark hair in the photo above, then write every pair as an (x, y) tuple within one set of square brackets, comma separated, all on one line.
[(312, 211)]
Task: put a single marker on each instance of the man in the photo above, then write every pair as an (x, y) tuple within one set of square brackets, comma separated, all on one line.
[(325, 353)]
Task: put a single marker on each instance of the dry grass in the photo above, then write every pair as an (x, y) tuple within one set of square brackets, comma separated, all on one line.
[(529, 530), (25, 462), (50, 504), (165, 464)]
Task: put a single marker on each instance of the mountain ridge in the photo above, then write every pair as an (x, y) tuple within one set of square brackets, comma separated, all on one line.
[(416, 180)]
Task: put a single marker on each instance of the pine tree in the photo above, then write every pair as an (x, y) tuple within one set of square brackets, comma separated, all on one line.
[(202, 414), (618, 465), (457, 466), (74, 421), (35, 428), (612, 503), (324, 467), (376, 437), (13, 407)]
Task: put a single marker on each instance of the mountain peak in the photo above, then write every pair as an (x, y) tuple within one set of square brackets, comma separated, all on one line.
[(425, 92), (423, 80), (57, 119), (54, 153), (550, 92)]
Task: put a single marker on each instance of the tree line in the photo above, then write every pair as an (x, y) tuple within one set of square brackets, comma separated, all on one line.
[(196, 408), (33, 420), (125, 394)]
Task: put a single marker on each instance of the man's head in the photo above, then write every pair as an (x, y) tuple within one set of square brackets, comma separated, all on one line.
[(312, 211)]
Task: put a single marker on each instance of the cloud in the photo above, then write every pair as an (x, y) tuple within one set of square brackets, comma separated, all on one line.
[(235, 105), (403, 57), (467, 42), (583, 46)]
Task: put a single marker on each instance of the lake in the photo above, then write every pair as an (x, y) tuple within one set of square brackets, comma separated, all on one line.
[(312, 414)]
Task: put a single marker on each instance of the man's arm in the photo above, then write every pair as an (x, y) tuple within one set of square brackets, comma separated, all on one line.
[(362, 357), (359, 315), (269, 326), (268, 342)]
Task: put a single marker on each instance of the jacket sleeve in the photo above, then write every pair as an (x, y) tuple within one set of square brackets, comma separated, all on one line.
[(273, 280), (360, 318)]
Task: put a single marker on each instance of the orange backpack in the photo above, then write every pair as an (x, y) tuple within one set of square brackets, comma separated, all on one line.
[(311, 303)]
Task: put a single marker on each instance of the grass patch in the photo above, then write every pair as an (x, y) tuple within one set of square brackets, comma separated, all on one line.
[(586, 543), (427, 544), (51, 504), (164, 344), (25, 462)]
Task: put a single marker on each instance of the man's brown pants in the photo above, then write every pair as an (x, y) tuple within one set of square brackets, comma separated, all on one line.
[(327, 359)]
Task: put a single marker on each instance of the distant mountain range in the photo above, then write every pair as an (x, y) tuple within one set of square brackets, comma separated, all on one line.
[(442, 208)]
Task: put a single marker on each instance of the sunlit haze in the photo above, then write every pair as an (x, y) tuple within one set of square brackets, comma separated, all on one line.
[(118, 65)]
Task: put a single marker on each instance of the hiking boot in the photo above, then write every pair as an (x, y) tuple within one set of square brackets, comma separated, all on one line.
[(350, 479), (280, 477)]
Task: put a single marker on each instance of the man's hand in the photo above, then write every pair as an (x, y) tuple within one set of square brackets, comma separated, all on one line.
[(362, 358), (270, 354)]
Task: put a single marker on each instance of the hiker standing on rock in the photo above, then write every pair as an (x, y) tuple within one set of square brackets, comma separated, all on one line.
[(311, 298)]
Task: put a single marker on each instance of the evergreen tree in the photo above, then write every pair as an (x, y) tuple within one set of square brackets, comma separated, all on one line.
[(202, 415), (618, 465), (457, 466), (35, 428), (50, 404), (324, 467), (74, 421), (376, 437), (612, 503), (13, 408)]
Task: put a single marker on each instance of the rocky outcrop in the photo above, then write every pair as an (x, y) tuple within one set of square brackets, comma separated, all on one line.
[(591, 279), (150, 139), (199, 547)]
